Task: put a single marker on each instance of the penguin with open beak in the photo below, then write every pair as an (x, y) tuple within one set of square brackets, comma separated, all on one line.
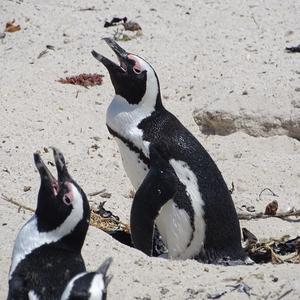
[(199, 219), (47, 250)]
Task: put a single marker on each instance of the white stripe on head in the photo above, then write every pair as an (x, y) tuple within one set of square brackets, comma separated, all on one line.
[(29, 238), (67, 292), (152, 88), (97, 287)]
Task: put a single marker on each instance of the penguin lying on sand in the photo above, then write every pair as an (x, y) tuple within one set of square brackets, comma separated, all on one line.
[(47, 250), (200, 220)]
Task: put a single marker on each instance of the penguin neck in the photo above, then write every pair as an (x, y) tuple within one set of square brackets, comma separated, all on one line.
[(124, 117), (74, 240), (30, 238)]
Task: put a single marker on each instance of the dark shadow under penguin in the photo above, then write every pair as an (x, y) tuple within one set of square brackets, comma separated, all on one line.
[(200, 221), (47, 250)]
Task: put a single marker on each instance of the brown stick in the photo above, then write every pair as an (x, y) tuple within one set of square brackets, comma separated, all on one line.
[(96, 193), (10, 200), (261, 215), (97, 221), (266, 189), (285, 294)]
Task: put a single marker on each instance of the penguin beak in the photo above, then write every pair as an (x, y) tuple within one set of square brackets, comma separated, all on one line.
[(103, 270), (48, 182), (61, 167), (122, 56)]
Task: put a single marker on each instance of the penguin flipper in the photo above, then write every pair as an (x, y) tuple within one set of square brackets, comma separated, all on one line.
[(158, 187), (18, 289)]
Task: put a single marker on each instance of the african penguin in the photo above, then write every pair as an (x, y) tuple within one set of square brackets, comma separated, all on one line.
[(89, 285), (200, 220), (47, 250)]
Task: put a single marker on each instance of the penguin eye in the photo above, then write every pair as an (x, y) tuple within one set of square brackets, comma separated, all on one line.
[(136, 71), (67, 200)]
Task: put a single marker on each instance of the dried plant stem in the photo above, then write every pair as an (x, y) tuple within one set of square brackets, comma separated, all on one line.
[(10, 200), (285, 294), (266, 189), (97, 193), (261, 215), (105, 224)]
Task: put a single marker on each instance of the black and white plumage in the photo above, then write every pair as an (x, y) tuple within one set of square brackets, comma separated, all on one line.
[(200, 219), (89, 285), (47, 250)]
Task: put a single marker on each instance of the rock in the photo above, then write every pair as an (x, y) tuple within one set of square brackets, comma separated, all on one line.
[(223, 120)]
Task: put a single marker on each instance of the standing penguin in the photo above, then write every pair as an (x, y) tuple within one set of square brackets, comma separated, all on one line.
[(47, 251), (89, 285), (199, 220)]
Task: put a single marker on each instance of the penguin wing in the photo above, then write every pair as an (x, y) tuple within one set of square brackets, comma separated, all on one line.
[(158, 187)]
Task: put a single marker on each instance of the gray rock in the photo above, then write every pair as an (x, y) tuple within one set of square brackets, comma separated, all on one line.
[(224, 120)]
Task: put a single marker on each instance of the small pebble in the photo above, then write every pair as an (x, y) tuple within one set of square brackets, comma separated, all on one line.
[(50, 47), (26, 188)]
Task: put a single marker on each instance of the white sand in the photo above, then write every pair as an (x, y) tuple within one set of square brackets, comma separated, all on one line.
[(199, 57)]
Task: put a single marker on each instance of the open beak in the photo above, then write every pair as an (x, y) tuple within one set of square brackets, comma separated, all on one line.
[(121, 54), (61, 167), (48, 181)]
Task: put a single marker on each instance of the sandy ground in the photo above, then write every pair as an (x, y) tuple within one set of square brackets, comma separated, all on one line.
[(200, 52)]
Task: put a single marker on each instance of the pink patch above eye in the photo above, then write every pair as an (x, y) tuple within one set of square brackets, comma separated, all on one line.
[(137, 68)]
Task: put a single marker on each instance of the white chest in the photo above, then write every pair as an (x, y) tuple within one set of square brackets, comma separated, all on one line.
[(124, 118), (134, 167)]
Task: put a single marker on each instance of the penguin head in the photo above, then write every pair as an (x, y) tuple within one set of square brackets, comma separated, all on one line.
[(134, 79), (62, 205), (89, 285)]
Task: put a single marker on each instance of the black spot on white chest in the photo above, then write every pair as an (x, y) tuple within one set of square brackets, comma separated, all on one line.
[(131, 146), (135, 162)]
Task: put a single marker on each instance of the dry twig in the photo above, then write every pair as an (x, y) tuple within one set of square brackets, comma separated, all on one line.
[(261, 215), (10, 200), (96, 193), (285, 294), (267, 189), (105, 224)]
